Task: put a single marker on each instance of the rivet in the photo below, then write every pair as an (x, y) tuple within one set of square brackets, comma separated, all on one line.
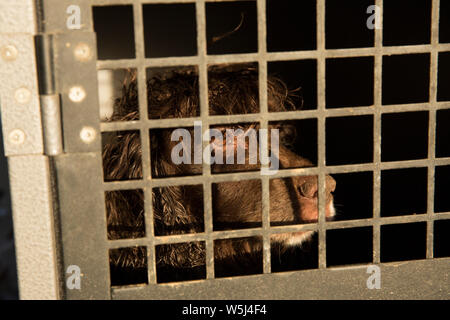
[(17, 137), (22, 95), (77, 94), (82, 52), (9, 53), (87, 134)]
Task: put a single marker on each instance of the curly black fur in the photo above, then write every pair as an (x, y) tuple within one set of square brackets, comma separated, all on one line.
[(177, 210)]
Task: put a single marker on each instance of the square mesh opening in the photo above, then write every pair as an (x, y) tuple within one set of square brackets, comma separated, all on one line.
[(177, 86), (172, 266), (247, 263), (444, 22), (226, 215), (122, 156), (442, 238), (442, 186), (406, 22), (303, 256), (406, 78), (174, 153), (358, 79), (351, 32), (285, 18), (130, 267), (299, 137), (169, 30), (400, 242), (404, 136), (353, 198), (403, 191), (300, 77), (444, 77), (349, 140), (117, 90), (171, 216), (442, 133), (114, 26), (349, 246), (234, 148), (231, 27), (125, 214), (224, 89)]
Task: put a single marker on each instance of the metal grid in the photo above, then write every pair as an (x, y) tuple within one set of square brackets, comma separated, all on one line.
[(202, 60), (77, 188)]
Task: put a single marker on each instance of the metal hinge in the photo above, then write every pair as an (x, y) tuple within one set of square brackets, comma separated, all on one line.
[(49, 99)]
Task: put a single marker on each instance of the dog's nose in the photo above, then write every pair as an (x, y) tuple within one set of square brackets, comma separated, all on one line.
[(309, 187)]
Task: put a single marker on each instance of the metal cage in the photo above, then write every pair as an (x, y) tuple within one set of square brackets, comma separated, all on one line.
[(52, 130)]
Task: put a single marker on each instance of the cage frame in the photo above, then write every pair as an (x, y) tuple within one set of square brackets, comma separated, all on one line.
[(65, 231)]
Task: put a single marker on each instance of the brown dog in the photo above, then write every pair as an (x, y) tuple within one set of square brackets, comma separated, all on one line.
[(179, 209)]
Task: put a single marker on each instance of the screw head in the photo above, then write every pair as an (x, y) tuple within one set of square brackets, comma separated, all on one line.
[(17, 137), (22, 95), (82, 52), (87, 134), (77, 94), (9, 53)]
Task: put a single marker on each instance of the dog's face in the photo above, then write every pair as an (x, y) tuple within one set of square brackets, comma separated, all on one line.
[(293, 200), (236, 204)]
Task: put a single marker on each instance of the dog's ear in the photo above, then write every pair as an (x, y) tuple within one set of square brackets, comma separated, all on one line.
[(280, 98), (122, 156), (122, 161), (125, 209), (172, 215), (125, 214), (126, 107), (181, 255)]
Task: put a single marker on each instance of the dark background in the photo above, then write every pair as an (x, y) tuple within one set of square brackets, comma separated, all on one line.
[(170, 30)]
